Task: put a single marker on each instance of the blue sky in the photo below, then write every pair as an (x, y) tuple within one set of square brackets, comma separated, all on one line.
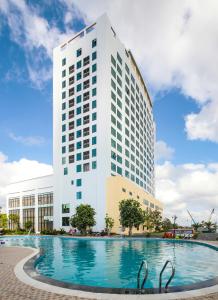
[(173, 43)]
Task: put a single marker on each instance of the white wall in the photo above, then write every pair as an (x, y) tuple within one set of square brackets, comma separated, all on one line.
[(32, 186)]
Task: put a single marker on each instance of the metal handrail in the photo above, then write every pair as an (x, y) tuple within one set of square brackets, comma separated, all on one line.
[(144, 262), (171, 276)]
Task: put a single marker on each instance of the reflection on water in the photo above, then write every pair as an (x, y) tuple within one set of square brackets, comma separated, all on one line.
[(115, 262)]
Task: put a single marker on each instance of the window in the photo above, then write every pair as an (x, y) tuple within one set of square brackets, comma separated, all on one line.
[(63, 138), (65, 208), (94, 55), (79, 52), (63, 160), (78, 168), (113, 167), (79, 87), (119, 70), (86, 131), (63, 73), (94, 116), (119, 58), (63, 61), (86, 107), (63, 95), (71, 125), (71, 92), (78, 110), (85, 120), (94, 152), (71, 103), (86, 61), (78, 156), (94, 165), (78, 99), (94, 128), (119, 170), (94, 104), (63, 117), (78, 145), (94, 68), (94, 92), (94, 43), (65, 171), (78, 195), (64, 105), (63, 84), (86, 167), (71, 147), (71, 69), (71, 159), (113, 84), (78, 76), (71, 80), (79, 182), (113, 61), (71, 114), (86, 72), (64, 127), (94, 140), (113, 73), (78, 133), (127, 68), (65, 221), (86, 96), (86, 84), (79, 64), (94, 79), (85, 155), (113, 143), (86, 143)]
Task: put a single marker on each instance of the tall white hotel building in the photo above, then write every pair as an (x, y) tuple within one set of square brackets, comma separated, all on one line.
[(103, 135)]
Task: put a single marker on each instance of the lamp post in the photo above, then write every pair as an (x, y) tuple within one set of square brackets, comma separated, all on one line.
[(174, 224)]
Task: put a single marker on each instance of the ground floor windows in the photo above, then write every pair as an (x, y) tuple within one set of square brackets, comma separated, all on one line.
[(45, 218), (65, 221), (29, 217)]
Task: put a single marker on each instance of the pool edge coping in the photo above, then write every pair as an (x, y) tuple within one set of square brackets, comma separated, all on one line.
[(27, 279)]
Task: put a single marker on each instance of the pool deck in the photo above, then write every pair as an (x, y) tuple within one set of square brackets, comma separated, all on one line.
[(15, 284)]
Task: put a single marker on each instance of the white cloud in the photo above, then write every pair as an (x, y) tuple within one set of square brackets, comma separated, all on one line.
[(27, 140), (175, 45), (35, 35), (19, 170), (163, 151), (188, 186), (173, 42)]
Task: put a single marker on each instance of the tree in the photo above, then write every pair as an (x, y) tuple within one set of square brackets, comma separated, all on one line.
[(211, 227), (166, 224), (131, 214), (3, 221), (15, 219), (156, 218), (196, 226), (109, 223), (28, 225), (84, 218), (148, 221)]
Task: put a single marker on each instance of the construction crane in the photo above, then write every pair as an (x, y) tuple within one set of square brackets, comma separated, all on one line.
[(191, 216), (211, 214)]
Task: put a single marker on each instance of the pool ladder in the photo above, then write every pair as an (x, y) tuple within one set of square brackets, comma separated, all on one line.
[(144, 263)]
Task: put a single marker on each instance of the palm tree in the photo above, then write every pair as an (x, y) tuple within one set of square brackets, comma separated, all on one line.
[(196, 226)]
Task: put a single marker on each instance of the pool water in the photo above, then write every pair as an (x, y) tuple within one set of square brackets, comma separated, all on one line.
[(114, 263)]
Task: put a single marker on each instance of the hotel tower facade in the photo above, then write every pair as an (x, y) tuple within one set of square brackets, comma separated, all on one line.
[(103, 135)]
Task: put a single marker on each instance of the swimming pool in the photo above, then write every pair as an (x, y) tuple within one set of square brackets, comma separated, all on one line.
[(114, 263)]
